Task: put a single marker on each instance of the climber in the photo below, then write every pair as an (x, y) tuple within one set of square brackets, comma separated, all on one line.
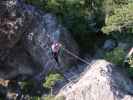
[(55, 50)]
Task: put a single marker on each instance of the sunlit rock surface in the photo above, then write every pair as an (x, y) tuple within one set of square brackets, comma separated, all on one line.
[(101, 81), (26, 35)]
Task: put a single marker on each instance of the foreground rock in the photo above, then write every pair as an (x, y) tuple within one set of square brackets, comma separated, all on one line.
[(103, 81), (25, 43)]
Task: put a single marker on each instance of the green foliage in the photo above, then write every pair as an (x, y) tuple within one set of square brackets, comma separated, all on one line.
[(26, 86), (109, 7), (116, 56), (36, 98), (51, 80), (61, 97), (49, 97), (120, 20)]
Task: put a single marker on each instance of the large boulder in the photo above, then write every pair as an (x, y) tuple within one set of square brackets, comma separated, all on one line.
[(101, 81), (26, 35)]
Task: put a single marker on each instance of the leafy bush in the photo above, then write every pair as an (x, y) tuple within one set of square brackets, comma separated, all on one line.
[(36, 98), (26, 86), (116, 56), (61, 97), (51, 80), (49, 97), (120, 20)]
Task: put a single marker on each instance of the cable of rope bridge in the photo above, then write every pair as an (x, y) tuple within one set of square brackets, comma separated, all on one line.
[(74, 55), (69, 52)]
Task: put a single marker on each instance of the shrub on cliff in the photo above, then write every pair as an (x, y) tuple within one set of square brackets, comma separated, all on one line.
[(121, 20), (116, 56), (26, 86), (50, 82)]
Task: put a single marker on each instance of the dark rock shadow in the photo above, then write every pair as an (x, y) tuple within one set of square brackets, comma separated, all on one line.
[(120, 84)]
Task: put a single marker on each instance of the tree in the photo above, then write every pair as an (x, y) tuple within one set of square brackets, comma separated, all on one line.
[(51, 80), (120, 20), (116, 56)]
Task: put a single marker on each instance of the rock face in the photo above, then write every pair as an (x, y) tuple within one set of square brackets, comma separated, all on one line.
[(11, 23), (26, 35), (109, 44), (102, 81)]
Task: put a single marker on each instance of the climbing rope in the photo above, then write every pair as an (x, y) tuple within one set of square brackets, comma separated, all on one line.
[(71, 53), (74, 55), (58, 69)]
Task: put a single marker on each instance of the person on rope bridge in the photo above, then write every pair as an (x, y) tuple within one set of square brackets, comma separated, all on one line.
[(55, 50)]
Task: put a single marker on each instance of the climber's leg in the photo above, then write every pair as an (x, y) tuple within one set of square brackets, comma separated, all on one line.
[(56, 57)]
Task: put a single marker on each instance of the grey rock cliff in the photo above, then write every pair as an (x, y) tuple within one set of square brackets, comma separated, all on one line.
[(26, 35)]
